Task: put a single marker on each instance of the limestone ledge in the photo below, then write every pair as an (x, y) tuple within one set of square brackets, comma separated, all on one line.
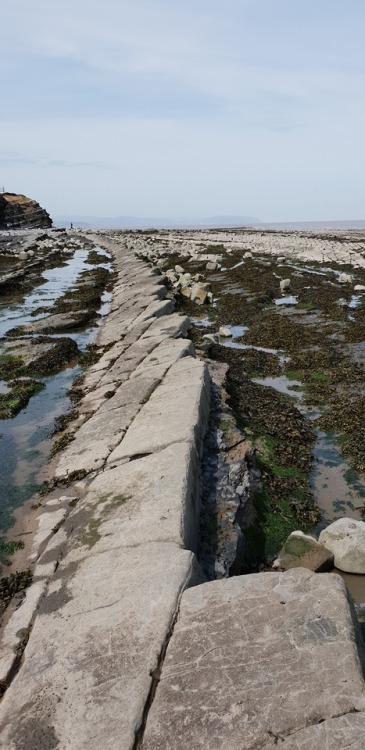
[(107, 584), (107, 650)]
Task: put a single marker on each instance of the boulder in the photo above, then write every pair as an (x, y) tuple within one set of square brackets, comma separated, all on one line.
[(345, 538), (200, 296), (199, 293), (359, 288), (345, 278), (213, 337), (248, 255), (179, 269), (226, 332), (284, 284), (303, 551), (211, 266), (185, 291)]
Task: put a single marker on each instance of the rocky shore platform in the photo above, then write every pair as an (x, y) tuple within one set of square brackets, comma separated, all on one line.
[(121, 641)]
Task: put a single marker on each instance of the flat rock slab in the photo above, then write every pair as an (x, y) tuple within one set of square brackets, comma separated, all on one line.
[(154, 499), (345, 733), (95, 644), (176, 412), (254, 659)]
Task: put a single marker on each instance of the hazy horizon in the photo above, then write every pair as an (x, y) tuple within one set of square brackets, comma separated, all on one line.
[(220, 222)]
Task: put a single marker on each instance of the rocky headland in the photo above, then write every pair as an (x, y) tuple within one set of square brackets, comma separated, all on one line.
[(19, 212), (188, 460)]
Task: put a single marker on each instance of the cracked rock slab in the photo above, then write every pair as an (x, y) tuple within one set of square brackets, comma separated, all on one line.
[(345, 733), (156, 498), (176, 412), (95, 644), (256, 658)]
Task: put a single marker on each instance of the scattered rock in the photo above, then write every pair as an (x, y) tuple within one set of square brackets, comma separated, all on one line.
[(303, 551), (285, 284), (345, 278), (212, 266), (223, 331), (248, 255), (186, 291), (359, 288), (179, 269), (199, 293), (346, 539), (213, 337)]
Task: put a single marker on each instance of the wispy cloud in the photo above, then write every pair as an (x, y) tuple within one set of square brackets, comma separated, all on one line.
[(249, 106), (11, 158)]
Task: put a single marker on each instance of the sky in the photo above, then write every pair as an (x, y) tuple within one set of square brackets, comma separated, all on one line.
[(185, 108)]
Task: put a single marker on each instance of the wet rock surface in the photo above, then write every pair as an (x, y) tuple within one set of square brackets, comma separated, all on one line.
[(230, 481)]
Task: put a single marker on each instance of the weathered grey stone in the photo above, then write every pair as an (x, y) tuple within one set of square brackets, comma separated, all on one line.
[(345, 733), (226, 332), (285, 284), (93, 649), (154, 499), (302, 551), (345, 538), (176, 412), (345, 278), (256, 658)]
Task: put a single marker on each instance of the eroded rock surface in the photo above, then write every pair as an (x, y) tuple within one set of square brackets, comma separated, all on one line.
[(303, 551), (20, 212), (255, 659)]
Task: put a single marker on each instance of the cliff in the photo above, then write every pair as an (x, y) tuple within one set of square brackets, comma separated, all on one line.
[(20, 212)]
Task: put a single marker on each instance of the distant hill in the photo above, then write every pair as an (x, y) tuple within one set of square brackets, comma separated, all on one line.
[(137, 222)]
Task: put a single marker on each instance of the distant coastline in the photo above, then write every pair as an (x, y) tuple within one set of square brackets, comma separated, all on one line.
[(345, 224), (214, 222)]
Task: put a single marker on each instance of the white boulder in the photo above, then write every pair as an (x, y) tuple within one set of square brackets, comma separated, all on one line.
[(345, 278), (226, 332), (284, 284), (359, 288), (346, 539)]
